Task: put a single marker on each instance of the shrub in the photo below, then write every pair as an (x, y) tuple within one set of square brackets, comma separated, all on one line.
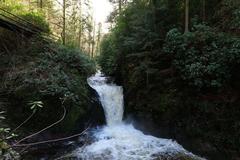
[(35, 17), (203, 58), (37, 20), (48, 72)]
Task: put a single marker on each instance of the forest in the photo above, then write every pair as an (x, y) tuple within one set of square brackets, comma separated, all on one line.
[(169, 67), (178, 62)]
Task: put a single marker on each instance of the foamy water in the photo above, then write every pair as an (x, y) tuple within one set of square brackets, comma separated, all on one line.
[(120, 141)]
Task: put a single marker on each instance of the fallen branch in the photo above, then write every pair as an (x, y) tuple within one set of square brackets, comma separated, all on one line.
[(34, 134), (23, 122), (50, 141), (24, 149)]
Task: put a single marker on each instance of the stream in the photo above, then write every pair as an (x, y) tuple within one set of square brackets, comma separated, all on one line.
[(118, 140)]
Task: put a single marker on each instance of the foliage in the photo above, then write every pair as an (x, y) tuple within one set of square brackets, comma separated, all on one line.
[(228, 16), (20, 10), (2, 117), (4, 132), (5, 135), (37, 20), (204, 58), (37, 69), (107, 58), (34, 105), (47, 72)]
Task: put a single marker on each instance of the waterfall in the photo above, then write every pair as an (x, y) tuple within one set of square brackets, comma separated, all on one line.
[(111, 97), (120, 141)]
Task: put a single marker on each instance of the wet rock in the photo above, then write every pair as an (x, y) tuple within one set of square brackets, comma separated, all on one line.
[(97, 112)]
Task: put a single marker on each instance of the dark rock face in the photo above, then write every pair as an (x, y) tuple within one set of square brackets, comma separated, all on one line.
[(95, 115), (164, 129), (97, 112)]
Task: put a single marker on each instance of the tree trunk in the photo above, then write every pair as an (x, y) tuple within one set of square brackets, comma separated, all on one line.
[(41, 4), (80, 25), (93, 40), (120, 5), (64, 23), (80, 35), (186, 16), (99, 37), (204, 11), (29, 5), (89, 43)]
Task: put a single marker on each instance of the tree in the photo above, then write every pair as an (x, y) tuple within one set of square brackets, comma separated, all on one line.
[(80, 26), (64, 22), (89, 38), (40, 4), (99, 36), (93, 39), (203, 10), (120, 5), (186, 16)]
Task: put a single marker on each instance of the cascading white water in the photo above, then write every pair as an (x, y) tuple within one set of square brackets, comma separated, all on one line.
[(120, 141), (111, 97)]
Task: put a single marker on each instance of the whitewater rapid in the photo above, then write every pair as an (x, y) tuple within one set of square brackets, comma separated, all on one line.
[(120, 141)]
